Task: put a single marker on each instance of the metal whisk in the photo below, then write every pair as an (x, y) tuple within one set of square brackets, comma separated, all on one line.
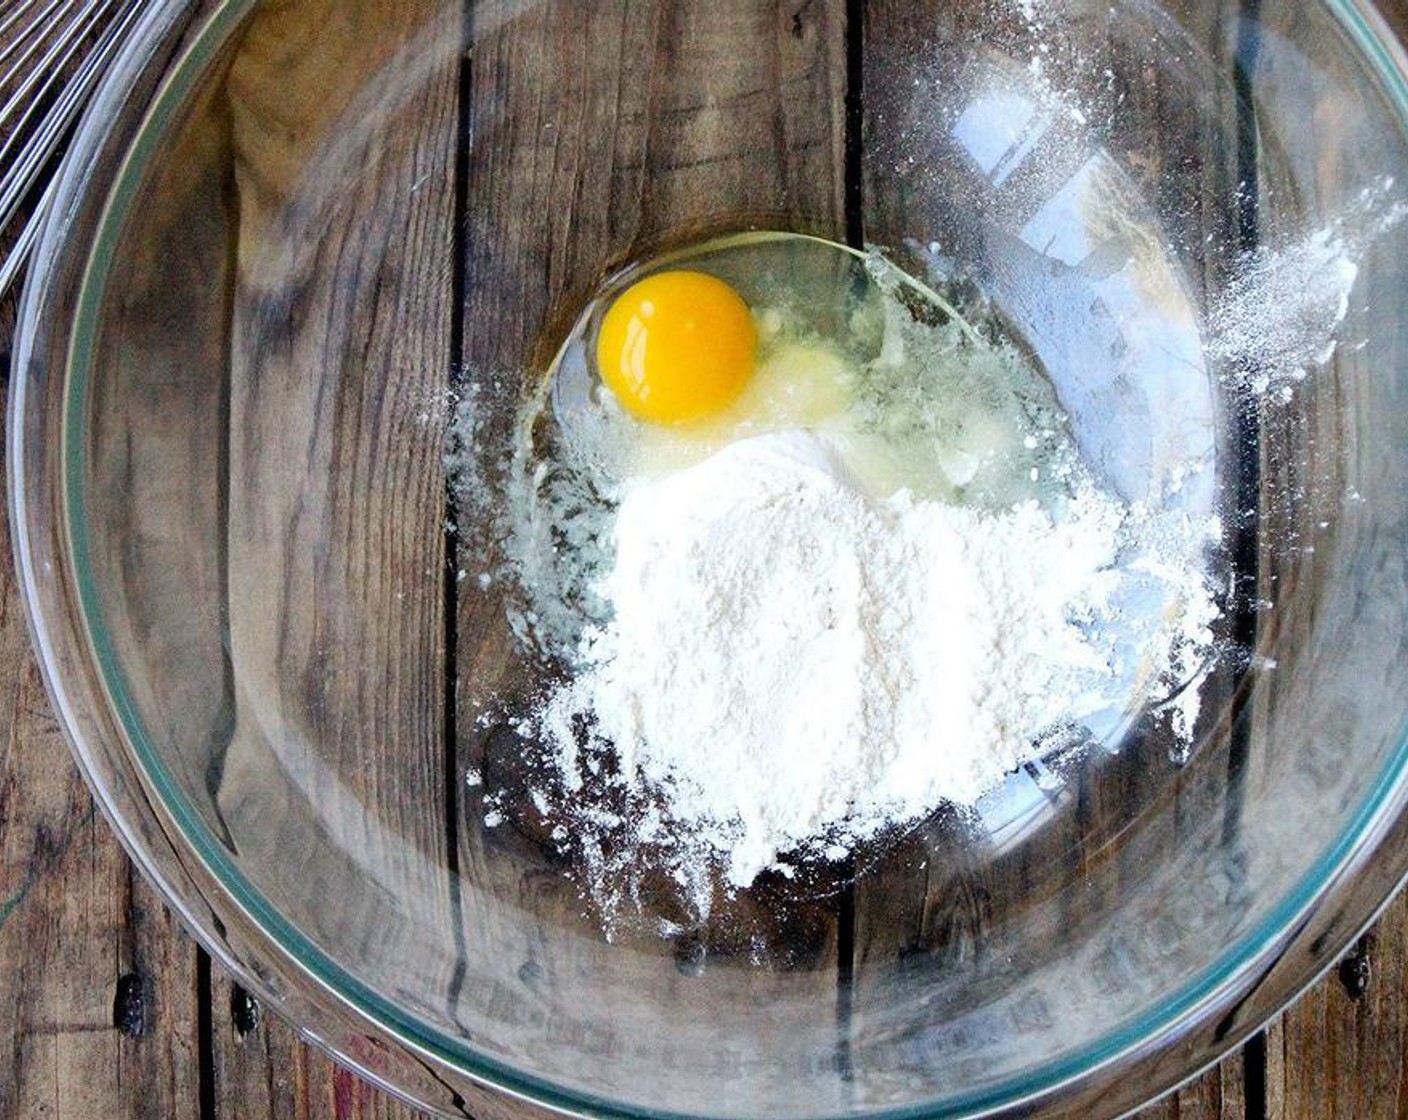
[(52, 55)]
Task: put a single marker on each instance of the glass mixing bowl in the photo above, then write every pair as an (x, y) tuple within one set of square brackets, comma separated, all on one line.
[(295, 239)]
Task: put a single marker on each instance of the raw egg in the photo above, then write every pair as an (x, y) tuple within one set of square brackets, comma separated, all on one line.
[(677, 346)]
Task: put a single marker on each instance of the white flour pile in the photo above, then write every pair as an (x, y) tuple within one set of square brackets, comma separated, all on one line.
[(790, 660)]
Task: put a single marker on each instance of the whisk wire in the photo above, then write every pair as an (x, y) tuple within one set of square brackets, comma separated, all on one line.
[(36, 28), (32, 38), (30, 100), (59, 74), (16, 13)]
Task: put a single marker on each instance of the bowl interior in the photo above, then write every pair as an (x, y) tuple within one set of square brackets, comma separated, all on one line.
[(353, 227)]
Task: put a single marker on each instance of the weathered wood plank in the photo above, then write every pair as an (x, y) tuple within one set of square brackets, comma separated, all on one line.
[(333, 784), (1340, 1051), (156, 447), (80, 935), (1219, 1094), (101, 1001), (602, 135), (939, 905), (266, 1072)]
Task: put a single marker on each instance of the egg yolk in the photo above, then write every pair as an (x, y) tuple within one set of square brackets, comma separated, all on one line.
[(677, 346)]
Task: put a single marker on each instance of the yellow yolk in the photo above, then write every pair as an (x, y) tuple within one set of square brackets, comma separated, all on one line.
[(677, 346)]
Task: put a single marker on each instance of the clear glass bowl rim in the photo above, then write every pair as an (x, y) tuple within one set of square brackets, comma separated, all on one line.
[(1345, 890)]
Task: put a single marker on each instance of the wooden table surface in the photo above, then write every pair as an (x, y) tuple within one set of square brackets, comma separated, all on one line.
[(111, 1011)]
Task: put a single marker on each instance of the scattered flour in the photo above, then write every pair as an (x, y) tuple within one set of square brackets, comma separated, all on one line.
[(1279, 316), (792, 661)]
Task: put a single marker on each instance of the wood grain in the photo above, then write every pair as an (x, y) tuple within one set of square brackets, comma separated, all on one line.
[(82, 937), (264, 1071), (75, 924), (157, 533), (935, 908), (603, 135), (99, 1000), (333, 784), (1339, 1052), (1218, 1094)]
